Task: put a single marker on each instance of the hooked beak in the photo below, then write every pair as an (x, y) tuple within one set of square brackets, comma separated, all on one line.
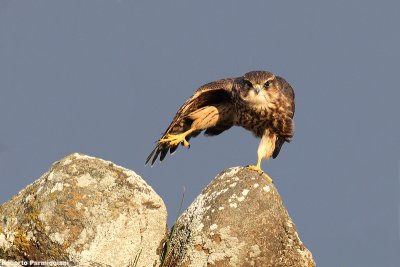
[(257, 88)]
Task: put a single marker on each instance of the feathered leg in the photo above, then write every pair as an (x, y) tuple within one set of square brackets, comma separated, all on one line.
[(202, 118), (216, 119), (265, 150)]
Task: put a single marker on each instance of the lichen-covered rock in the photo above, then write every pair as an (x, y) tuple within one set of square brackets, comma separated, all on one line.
[(85, 211), (238, 220)]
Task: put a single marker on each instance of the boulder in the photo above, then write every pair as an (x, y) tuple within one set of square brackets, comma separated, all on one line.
[(84, 211), (237, 220)]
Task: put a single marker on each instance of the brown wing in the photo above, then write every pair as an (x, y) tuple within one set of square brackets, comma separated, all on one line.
[(212, 93), (286, 129)]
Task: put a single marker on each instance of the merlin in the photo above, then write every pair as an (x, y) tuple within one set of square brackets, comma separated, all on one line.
[(259, 101)]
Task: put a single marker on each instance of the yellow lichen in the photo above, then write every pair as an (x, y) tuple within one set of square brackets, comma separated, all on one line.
[(20, 239), (52, 196), (32, 218)]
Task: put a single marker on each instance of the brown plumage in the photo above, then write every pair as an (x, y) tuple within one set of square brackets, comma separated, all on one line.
[(259, 101)]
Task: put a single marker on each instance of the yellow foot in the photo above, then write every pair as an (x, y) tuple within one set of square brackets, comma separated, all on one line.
[(175, 139), (258, 169)]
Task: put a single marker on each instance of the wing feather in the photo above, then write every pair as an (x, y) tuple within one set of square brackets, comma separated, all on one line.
[(286, 131), (208, 94)]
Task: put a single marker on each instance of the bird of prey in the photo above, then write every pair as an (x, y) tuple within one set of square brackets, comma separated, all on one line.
[(259, 101)]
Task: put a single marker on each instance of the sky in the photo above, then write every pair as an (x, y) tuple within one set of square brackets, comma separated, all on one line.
[(105, 78)]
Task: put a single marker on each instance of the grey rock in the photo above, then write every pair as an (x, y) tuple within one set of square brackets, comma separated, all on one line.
[(86, 211), (237, 220)]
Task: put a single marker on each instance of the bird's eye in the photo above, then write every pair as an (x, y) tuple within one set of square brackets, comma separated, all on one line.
[(267, 84), (248, 83)]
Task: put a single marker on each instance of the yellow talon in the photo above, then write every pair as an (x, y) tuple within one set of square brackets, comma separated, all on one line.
[(176, 139), (257, 168)]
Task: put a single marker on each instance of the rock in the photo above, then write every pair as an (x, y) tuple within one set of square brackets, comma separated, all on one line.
[(238, 220), (84, 211)]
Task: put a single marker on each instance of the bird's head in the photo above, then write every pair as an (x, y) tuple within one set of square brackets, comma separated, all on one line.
[(257, 87)]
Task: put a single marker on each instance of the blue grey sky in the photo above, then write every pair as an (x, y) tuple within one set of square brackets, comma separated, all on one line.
[(105, 78)]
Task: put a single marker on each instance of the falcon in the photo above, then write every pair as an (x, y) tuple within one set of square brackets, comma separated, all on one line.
[(258, 101)]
